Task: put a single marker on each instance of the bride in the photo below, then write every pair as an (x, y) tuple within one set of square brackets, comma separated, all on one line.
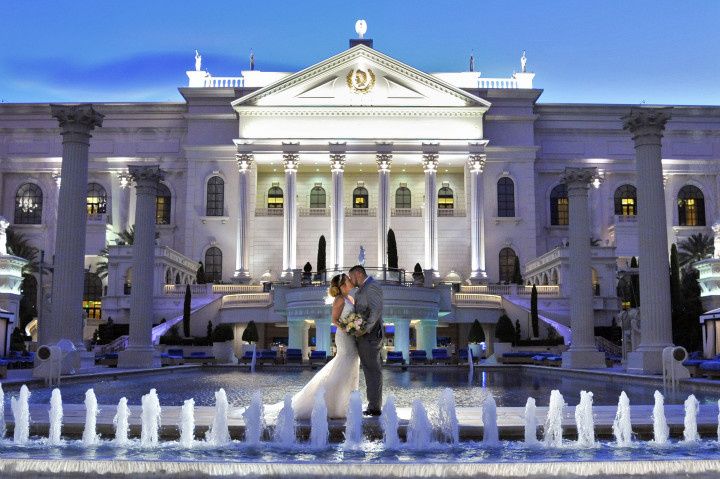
[(341, 375)]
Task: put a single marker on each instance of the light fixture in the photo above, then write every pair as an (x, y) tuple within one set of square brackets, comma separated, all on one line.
[(56, 176), (124, 179), (26, 204)]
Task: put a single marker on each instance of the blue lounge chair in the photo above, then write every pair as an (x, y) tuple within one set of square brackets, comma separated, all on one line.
[(395, 357), (172, 357), (267, 356), (440, 356), (418, 356), (200, 357), (293, 355), (318, 357)]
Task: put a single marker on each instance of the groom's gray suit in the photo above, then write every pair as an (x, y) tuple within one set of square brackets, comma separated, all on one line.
[(369, 305)]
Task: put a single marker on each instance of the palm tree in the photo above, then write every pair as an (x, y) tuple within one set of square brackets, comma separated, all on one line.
[(19, 246), (124, 237), (697, 247)]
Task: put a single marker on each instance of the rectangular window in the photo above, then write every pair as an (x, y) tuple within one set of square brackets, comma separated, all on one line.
[(563, 212), (628, 206), (691, 215)]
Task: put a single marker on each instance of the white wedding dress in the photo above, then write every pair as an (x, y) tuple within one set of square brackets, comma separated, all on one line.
[(339, 377)]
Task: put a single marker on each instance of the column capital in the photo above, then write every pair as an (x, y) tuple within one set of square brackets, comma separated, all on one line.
[(430, 162), (76, 118), (578, 178), (383, 161), (146, 177), (290, 162), (477, 161), (337, 162), (646, 122), (244, 161)]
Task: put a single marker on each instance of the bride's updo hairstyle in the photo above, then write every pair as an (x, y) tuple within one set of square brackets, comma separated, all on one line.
[(335, 284)]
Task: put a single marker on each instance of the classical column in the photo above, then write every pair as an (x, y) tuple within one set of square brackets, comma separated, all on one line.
[(140, 352), (323, 335), (402, 337), (337, 210), (383, 161), (290, 161), (430, 165), (66, 322), (489, 332), (476, 163), (242, 254), (646, 126), (426, 330), (582, 353)]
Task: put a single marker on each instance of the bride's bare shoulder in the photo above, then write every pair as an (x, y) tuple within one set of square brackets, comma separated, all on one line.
[(351, 299)]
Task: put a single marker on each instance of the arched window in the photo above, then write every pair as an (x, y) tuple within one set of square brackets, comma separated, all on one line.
[(626, 201), (215, 199), (506, 197), (168, 276), (92, 295), (507, 264), (162, 205), (275, 197), (691, 206), (96, 201), (360, 197), (213, 265), (446, 198), (559, 212), (127, 284), (403, 198), (317, 197), (28, 204)]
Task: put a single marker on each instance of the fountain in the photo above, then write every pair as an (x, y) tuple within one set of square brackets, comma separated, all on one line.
[(150, 418), (21, 416), (471, 367), (55, 416), (553, 422), (690, 433), (187, 423), (419, 429), (531, 423), (254, 419), (718, 428), (353, 424), (447, 417), (389, 421), (622, 427), (284, 433), (218, 433), (122, 423), (584, 420), (319, 421), (491, 435), (90, 436), (3, 427), (661, 431)]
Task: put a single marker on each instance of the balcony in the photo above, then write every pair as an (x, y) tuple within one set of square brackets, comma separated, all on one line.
[(360, 212), (445, 212), (268, 211), (313, 211), (406, 211)]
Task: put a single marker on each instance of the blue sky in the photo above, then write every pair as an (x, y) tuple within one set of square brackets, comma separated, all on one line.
[(595, 51)]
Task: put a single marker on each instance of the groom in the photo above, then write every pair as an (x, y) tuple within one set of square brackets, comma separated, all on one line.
[(369, 305)]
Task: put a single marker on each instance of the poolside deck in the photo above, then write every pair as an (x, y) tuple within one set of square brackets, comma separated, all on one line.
[(510, 421)]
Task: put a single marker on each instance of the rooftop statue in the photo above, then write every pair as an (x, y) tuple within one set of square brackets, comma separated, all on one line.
[(3, 236), (252, 60), (360, 28), (361, 256), (198, 61), (472, 63), (523, 63)]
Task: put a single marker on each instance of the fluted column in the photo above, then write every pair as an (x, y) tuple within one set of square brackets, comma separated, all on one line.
[(383, 161), (140, 352), (242, 254), (582, 352), (323, 335), (66, 321), (476, 163), (290, 161), (402, 337), (430, 165), (337, 210), (647, 126)]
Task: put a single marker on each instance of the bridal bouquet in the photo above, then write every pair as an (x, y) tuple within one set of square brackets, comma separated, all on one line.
[(353, 324)]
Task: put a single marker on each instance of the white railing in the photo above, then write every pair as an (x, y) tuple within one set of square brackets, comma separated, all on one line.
[(247, 299), (359, 211), (511, 290), (304, 211), (224, 82), (477, 299), (268, 211), (406, 211), (236, 288), (625, 218), (450, 212), (195, 289), (497, 83)]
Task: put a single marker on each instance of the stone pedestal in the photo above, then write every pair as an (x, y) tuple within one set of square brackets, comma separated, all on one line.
[(337, 211), (76, 123), (141, 352), (647, 126), (10, 283), (383, 212), (582, 353), (242, 256), (290, 161), (430, 165), (476, 164), (402, 337)]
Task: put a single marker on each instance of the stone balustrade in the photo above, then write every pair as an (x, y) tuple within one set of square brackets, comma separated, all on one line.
[(512, 290), (246, 299), (477, 300)]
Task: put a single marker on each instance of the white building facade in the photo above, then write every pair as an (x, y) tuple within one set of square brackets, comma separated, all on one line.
[(466, 171)]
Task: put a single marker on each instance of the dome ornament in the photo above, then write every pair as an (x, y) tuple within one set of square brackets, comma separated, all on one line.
[(361, 28)]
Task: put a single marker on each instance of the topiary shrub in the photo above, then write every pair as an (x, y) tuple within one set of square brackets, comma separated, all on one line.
[(321, 256), (307, 268), (504, 329), (534, 317), (200, 275), (186, 311), (250, 335), (171, 338), (392, 253), (476, 334), (223, 332), (209, 330), (17, 340)]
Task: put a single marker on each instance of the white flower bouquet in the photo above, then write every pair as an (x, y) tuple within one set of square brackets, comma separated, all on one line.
[(353, 324)]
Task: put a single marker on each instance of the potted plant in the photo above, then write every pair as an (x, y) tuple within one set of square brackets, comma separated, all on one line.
[(475, 337), (307, 274), (418, 276), (222, 339), (505, 335)]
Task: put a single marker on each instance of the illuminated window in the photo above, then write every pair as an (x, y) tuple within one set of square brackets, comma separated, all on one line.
[(626, 201), (213, 265), (96, 201), (691, 206), (446, 198), (28, 204), (559, 212), (403, 198), (506, 197), (507, 264), (360, 197), (162, 205), (275, 197), (317, 197), (92, 296), (215, 204)]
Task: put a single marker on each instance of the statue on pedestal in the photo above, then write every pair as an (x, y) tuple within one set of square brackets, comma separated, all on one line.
[(361, 256), (523, 63), (3, 235), (198, 61)]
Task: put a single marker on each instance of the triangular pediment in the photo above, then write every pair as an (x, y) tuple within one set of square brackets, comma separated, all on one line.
[(360, 76)]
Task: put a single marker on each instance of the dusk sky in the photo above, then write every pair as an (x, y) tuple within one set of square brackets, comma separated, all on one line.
[(610, 51)]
